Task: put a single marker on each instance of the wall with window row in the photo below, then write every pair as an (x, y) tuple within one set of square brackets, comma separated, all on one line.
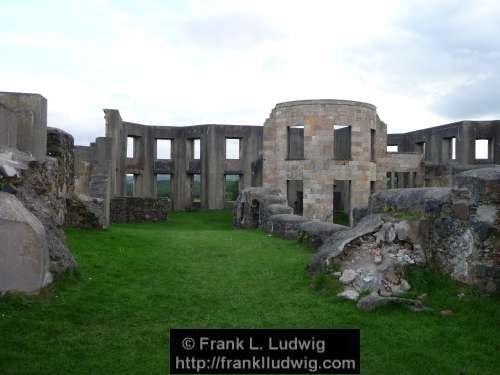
[(436, 143), (183, 166)]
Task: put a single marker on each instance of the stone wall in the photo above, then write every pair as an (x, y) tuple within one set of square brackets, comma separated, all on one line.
[(31, 116), (439, 228), (8, 127), (60, 145), (255, 205), (93, 177), (401, 170), (437, 147), (484, 184), (135, 209), (86, 212), (457, 233), (43, 187), (41, 183), (267, 209)]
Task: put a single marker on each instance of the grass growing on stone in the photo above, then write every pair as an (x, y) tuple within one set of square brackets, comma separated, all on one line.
[(137, 281), (402, 215)]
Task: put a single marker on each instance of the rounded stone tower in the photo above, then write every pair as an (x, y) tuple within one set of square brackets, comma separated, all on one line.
[(322, 153)]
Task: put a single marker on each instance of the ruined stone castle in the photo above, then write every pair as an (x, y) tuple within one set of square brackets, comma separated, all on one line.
[(323, 156)]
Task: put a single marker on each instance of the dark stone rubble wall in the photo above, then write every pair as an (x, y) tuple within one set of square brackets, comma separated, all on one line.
[(135, 209)]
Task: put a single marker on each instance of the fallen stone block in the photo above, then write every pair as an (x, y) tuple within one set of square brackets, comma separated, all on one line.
[(334, 245), (317, 232)]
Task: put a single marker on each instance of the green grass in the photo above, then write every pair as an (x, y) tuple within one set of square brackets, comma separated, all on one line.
[(137, 281), (341, 217), (403, 215)]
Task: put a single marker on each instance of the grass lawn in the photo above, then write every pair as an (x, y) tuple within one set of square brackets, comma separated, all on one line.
[(341, 217), (137, 281)]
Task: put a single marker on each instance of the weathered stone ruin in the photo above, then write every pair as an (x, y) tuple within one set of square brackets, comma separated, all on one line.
[(434, 227), (256, 205), (267, 208), (311, 160), (397, 220), (440, 228), (36, 177)]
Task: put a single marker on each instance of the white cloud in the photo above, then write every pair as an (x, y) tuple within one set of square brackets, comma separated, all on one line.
[(227, 61)]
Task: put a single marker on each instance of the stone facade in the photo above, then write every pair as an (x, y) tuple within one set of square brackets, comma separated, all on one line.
[(358, 172), (323, 155), (211, 165), (450, 149)]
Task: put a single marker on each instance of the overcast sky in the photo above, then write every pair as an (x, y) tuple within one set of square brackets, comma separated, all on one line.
[(422, 63)]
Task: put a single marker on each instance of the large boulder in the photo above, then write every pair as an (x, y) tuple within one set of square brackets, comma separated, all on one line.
[(24, 256)]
